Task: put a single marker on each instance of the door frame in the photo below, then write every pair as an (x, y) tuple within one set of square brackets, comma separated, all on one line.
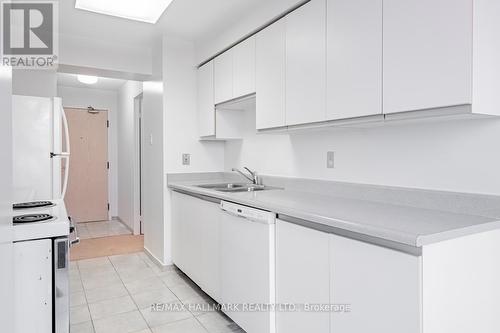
[(138, 148), (107, 149)]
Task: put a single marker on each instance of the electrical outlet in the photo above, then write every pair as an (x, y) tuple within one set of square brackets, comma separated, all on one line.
[(186, 159), (330, 159)]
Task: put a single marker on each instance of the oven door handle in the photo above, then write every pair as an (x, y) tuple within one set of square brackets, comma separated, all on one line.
[(73, 230)]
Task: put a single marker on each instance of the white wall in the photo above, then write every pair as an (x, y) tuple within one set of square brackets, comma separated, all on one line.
[(261, 15), (6, 232), (94, 55), (125, 156), (104, 100), (34, 82), (153, 178), (181, 126), (460, 155)]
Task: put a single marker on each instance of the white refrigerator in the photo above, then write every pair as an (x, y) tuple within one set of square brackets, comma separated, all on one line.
[(38, 124)]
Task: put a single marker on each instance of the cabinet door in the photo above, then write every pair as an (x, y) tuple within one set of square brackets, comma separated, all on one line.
[(382, 287), (223, 73), (306, 64), (244, 68), (209, 217), (302, 277), (187, 246), (178, 230), (354, 58), (270, 76), (206, 105), (427, 54), (195, 240)]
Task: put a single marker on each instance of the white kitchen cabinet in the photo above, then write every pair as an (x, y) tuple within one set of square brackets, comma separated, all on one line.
[(210, 244), (195, 242), (223, 73), (354, 58), (270, 76), (244, 68), (381, 286), (206, 104), (427, 54), (234, 72), (302, 277), (306, 64)]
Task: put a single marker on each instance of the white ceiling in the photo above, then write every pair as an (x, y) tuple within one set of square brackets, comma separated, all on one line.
[(190, 19), (70, 80)]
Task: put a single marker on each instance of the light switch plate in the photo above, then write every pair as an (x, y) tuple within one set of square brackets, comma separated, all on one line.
[(186, 159), (330, 159)]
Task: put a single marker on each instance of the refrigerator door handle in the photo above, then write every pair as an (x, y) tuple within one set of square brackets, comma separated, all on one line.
[(67, 153)]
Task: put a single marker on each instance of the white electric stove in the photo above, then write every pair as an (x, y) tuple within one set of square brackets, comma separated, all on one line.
[(50, 220), (41, 266)]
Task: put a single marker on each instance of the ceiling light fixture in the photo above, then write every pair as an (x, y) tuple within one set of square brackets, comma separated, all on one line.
[(87, 79), (145, 11)]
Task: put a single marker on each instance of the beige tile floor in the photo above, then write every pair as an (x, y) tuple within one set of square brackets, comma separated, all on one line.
[(99, 229), (114, 294)]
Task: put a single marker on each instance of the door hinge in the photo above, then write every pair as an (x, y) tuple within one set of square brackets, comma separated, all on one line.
[(107, 165), (107, 123), (108, 206)]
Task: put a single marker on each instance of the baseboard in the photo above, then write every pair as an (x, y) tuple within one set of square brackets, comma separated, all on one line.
[(117, 218), (154, 259)]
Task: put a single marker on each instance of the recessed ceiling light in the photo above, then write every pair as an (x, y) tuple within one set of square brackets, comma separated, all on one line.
[(145, 11), (87, 79)]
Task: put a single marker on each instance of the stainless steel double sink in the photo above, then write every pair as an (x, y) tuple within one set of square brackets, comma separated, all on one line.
[(235, 187)]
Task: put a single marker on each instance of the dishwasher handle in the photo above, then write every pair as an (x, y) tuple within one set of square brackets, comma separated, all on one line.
[(249, 213)]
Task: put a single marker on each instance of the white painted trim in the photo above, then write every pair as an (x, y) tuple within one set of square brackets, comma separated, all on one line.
[(136, 167), (156, 260)]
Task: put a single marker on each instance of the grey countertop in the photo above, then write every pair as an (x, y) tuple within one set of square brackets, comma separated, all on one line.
[(406, 225)]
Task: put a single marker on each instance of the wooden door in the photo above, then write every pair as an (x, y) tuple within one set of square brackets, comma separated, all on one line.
[(87, 195)]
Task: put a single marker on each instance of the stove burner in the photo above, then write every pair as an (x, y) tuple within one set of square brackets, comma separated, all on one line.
[(30, 218), (33, 204)]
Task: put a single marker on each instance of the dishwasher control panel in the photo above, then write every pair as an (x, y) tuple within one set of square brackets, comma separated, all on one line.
[(250, 213)]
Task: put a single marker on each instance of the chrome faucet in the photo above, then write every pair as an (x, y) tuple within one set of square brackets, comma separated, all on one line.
[(252, 177)]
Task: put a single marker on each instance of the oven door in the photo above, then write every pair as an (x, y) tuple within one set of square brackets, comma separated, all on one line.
[(61, 285)]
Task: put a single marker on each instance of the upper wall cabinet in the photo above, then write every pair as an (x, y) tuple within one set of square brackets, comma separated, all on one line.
[(223, 74), (427, 54), (306, 64), (235, 72), (206, 105), (244, 68), (270, 80), (354, 58)]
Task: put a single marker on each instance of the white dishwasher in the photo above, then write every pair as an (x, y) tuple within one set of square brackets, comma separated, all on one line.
[(248, 266)]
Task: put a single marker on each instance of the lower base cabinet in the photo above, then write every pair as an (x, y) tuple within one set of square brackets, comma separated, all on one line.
[(451, 288), (195, 241), (302, 277), (367, 288), (379, 286)]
